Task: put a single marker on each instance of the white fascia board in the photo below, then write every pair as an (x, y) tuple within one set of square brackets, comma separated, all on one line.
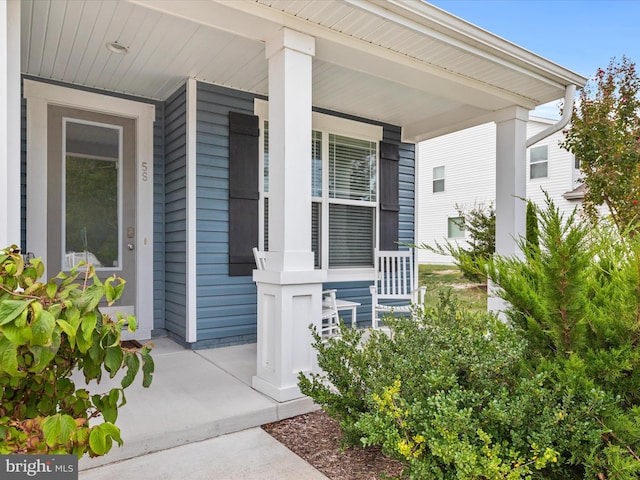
[(421, 15)]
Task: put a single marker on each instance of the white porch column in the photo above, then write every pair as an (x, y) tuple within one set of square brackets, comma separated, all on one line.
[(10, 123), (290, 289), (511, 185)]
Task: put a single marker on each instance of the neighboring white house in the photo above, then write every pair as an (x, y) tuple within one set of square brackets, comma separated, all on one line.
[(460, 169)]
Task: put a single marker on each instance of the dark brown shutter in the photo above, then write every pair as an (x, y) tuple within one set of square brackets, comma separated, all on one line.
[(244, 133), (389, 198)]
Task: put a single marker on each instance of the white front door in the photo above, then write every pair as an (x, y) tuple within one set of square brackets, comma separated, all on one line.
[(90, 189)]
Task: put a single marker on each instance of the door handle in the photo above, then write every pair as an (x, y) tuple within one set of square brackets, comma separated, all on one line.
[(130, 246)]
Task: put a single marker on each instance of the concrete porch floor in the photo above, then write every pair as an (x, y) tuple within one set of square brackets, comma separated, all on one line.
[(196, 395)]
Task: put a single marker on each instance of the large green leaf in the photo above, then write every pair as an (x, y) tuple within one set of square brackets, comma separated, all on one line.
[(87, 325), (16, 334), (69, 330), (58, 429), (148, 367), (72, 315), (90, 298), (132, 363), (22, 319), (42, 356), (101, 436), (98, 441), (52, 288), (42, 326), (9, 357), (113, 360), (11, 309), (132, 323), (113, 293)]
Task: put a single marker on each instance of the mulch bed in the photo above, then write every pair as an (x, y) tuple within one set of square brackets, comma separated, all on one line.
[(315, 437)]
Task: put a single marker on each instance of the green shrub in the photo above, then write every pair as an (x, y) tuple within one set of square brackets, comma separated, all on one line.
[(531, 234), (48, 331), (450, 395), (578, 303)]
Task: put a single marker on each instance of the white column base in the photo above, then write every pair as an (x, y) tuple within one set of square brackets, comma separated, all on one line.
[(495, 304), (288, 302)]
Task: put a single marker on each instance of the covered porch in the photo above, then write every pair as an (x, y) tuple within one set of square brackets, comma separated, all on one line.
[(387, 73)]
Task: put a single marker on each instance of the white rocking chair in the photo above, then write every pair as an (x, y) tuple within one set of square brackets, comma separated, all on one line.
[(394, 288), (260, 258), (330, 318)]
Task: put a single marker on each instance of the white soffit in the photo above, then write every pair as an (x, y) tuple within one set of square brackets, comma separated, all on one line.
[(397, 61)]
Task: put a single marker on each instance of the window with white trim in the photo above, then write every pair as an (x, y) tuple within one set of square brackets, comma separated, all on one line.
[(438, 179), (344, 204), (455, 227), (538, 161)]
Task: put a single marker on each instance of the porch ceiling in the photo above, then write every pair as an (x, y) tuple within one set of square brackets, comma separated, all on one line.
[(397, 61)]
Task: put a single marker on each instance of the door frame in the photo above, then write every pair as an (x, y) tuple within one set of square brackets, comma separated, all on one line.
[(39, 96)]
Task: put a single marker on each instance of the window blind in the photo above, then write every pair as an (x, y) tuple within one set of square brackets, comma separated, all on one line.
[(352, 168), (351, 235)]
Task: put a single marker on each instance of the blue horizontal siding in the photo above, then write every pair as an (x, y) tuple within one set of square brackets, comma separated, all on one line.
[(175, 218), (226, 306)]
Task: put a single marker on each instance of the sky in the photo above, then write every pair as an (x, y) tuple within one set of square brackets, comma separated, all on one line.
[(579, 35)]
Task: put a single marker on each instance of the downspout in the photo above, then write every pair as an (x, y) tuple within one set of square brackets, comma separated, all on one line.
[(569, 97)]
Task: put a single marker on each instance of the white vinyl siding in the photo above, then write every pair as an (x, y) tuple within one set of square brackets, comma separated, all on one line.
[(469, 160)]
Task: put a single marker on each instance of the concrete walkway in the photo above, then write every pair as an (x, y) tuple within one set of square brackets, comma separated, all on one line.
[(197, 421)]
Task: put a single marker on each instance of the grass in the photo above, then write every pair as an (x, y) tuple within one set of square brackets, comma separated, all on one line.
[(448, 277)]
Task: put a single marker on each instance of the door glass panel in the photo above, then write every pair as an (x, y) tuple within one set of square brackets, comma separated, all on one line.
[(91, 195)]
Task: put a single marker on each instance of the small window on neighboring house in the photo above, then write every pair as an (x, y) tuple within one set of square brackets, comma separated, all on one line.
[(455, 227), (576, 163), (438, 179), (538, 162)]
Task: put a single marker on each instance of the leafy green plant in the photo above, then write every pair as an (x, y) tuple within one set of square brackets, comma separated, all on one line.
[(604, 137), (578, 304), (48, 330), (450, 395), (532, 230)]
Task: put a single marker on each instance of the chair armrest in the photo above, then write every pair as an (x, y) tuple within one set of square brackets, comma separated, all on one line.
[(419, 295), (328, 296)]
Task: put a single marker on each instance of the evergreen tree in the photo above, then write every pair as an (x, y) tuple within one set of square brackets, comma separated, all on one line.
[(578, 305), (533, 242)]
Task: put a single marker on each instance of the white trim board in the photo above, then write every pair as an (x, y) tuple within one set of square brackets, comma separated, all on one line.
[(39, 95), (191, 327)]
